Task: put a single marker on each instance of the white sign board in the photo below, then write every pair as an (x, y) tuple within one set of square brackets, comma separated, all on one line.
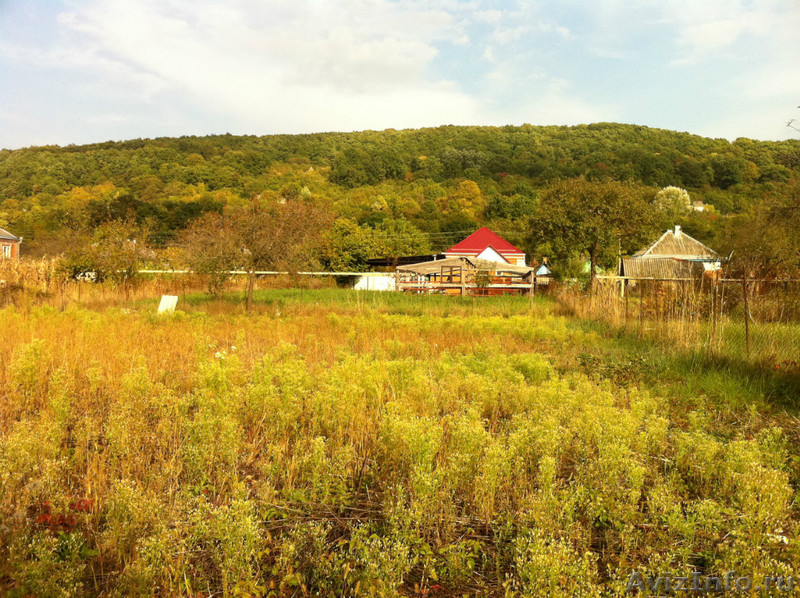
[(168, 303)]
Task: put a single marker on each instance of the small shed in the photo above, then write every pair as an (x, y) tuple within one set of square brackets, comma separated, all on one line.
[(674, 256), (9, 245), (543, 274)]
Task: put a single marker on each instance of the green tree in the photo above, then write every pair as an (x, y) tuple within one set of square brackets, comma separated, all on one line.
[(356, 166), (395, 237), (347, 246), (729, 170), (693, 172), (764, 239), (595, 218), (466, 199)]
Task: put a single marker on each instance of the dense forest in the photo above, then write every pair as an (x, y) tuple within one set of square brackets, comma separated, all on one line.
[(430, 185)]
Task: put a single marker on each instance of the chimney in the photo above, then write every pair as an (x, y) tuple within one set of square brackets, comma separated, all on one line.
[(677, 230)]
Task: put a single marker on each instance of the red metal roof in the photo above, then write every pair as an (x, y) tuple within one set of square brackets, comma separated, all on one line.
[(480, 240)]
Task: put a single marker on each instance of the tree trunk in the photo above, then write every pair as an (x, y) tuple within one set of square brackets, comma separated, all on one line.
[(593, 265)]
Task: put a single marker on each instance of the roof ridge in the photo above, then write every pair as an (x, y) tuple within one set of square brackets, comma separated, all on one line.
[(656, 242), (4, 234), (680, 242), (481, 239)]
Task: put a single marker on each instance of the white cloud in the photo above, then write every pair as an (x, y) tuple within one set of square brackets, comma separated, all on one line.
[(278, 65), (204, 66), (699, 40), (564, 32), (105, 119), (490, 16), (504, 35), (753, 46), (540, 98), (704, 29)]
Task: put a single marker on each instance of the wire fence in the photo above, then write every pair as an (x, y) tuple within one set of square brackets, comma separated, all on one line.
[(757, 320), (735, 318)]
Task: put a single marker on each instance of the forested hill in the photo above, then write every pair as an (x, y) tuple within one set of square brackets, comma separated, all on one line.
[(440, 179)]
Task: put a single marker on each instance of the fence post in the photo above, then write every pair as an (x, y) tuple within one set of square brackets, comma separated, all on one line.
[(532, 291), (746, 315), (624, 284), (712, 338), (642, 295), (659, 309)]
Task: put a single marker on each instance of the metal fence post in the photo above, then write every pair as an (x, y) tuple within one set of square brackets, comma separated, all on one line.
[(746, 315), (624, 284), (712, 336)]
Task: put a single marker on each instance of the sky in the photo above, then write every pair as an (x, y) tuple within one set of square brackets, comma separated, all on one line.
[(83, 71)]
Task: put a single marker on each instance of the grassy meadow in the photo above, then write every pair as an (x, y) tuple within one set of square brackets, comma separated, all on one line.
[(336, 443)]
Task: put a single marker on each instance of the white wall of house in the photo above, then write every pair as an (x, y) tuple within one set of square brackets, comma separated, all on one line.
[(491, 255)]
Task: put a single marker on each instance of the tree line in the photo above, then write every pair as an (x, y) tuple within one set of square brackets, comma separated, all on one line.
[(414, 191)]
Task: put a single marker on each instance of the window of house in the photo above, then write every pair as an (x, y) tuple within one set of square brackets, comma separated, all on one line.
[(6, 250)]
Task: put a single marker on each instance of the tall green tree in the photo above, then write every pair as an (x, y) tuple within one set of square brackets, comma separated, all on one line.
[(396, 237), (764, 239), (596, 218), (347, 246)]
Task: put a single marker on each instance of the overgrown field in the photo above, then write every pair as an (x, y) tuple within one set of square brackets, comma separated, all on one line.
[(341, 444)]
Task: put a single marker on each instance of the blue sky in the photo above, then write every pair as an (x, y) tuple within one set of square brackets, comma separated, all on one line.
[(81, 71)]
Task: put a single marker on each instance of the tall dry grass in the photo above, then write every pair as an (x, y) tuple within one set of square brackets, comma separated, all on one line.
[(704, 317), (341, 443), (45, 282)]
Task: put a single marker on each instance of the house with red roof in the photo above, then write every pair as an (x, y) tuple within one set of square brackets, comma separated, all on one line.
[(9, 245), (486, 245), (482, 264)]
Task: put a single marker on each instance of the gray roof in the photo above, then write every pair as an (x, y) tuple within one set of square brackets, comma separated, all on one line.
[(468, 263), (7, 236), (662, 268), (677, 244)]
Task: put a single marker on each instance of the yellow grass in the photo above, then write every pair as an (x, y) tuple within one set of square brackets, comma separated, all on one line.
[(340, 443)]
